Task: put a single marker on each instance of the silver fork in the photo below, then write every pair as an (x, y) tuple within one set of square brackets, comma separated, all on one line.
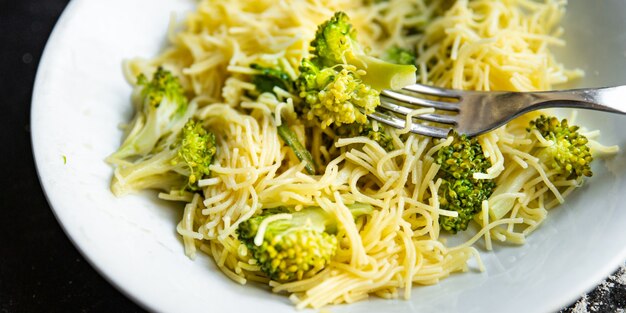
[(477, 112)]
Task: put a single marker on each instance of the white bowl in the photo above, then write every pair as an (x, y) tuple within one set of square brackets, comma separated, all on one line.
[(80, 98)]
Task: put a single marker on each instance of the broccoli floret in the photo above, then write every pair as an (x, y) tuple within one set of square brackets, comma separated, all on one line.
[(195, 151), (340, 84), (459, 190), (179, 165), (367, 130), (337, 97), (296, 246), (161, 109), (399, 55), (335, 43), (568, 155), (270, 77)]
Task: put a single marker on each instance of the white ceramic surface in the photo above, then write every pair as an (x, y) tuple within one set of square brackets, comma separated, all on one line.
[(80, 97)]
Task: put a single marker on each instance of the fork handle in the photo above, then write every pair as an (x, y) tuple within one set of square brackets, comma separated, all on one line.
[(608, 99)]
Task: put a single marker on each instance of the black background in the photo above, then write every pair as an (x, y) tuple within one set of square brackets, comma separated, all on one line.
[(40, 270)]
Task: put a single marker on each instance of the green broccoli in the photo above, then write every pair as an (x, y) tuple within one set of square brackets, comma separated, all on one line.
[(270, 77), (180, 164), (367, 130), (399, 55), (568, 155), (459, 190), (161, 109), (336, 97), (340, 84), (297, 246), (335, 43)]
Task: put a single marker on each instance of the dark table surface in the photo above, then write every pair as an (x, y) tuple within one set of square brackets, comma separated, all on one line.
[(40, 269)]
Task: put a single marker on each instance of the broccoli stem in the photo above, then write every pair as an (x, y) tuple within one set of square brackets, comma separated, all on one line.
[(143, 141), (357, 210), (320, 220), (156, 172), (498, 209), (383, 75), (298, 149)]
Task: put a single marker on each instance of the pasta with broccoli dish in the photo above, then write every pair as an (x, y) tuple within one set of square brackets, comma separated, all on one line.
[(255, 117)]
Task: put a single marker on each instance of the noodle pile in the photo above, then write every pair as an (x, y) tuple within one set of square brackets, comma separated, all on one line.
[(481, 45)]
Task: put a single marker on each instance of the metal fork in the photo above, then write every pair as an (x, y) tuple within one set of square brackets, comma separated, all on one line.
[(477, 112)]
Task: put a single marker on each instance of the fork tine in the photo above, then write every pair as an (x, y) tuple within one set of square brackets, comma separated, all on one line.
[(439, 105), (415, 127), (433, 91), (438, 118)]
